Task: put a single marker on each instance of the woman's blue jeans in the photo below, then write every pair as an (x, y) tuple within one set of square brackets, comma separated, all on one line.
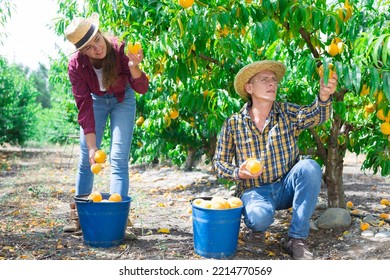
[(122, 118), (299, 189)]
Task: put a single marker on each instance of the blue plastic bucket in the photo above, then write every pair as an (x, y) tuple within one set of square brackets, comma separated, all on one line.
[(103, 224), (216, 231)]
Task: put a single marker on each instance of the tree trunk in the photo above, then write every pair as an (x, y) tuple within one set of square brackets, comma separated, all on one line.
[(333, 176), (190, 161), (212, 146)]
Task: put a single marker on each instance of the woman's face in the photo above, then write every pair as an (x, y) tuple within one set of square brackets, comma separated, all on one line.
[(96, 48)]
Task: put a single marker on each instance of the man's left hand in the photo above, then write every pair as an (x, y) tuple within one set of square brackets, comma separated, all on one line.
[(327, 90)]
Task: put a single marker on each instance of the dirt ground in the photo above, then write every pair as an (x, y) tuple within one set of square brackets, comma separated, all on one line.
[(35, 194)]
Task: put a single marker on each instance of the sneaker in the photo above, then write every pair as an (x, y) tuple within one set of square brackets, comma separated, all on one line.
[(255, 240), (298, 249)]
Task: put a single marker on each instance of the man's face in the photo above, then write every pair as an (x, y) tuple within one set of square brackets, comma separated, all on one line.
[(263, 86)]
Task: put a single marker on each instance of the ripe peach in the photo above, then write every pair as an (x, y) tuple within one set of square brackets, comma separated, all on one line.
[(234, 202)]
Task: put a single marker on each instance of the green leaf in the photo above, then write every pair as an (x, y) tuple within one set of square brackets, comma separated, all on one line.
[(258, 34), (375, 53), (266, 4), (324, 24), (270, 30), (340, 109), (282, 6), (386, 84), (356, 78), (374, 80), (385, 50), (310, 65), (347, 78)]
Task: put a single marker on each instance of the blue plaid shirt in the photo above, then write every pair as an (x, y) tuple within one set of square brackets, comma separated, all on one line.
[(276, 146)]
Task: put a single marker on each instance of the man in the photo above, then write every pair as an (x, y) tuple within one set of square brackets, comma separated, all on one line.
[(268, 131)]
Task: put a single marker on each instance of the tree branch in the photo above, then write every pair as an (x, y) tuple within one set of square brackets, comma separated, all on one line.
[(306, 36), (321, 151), (207, 58)]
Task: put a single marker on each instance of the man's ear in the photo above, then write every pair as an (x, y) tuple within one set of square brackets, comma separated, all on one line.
[(248, 88)]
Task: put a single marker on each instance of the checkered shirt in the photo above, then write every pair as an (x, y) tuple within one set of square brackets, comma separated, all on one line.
[(276, 146)]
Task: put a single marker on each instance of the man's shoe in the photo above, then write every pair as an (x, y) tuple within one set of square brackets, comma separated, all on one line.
[(255, 240), (298, 249)]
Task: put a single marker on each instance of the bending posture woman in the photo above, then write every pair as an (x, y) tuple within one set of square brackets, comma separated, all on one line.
[(103, 79)]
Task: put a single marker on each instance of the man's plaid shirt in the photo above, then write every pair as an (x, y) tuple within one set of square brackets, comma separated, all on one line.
[(276, 146)]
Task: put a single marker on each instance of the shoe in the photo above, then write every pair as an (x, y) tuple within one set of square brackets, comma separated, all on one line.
[(255, 240), (298, 249), (74, 224), (129, 235)]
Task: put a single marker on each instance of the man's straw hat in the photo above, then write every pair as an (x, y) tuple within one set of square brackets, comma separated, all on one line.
[(243, 76), (81, 30)]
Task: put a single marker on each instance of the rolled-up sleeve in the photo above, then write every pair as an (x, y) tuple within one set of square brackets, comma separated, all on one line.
[(312, 115), (140, 85)]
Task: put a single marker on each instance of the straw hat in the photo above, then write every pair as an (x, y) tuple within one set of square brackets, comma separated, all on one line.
[(247, 72), (81, 30)]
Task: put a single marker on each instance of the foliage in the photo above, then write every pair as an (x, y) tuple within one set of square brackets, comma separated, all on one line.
[(40, 78), (193, 54), (59, 121), (6, 8), (17, 105)]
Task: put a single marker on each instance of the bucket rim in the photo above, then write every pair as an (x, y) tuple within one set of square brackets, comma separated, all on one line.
[(209, 198), (83, 198), (226, 209)]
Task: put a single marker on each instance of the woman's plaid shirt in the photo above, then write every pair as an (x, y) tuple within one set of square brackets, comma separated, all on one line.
[(276, 146)]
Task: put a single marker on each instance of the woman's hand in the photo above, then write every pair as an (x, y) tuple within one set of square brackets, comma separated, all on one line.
[(92, 155), (135, 59), (90, 139)]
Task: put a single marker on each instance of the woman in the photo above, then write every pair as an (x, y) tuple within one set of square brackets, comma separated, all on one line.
[(103, 80)]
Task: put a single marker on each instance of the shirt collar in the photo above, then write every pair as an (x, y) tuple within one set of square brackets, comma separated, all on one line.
[(245, 109)]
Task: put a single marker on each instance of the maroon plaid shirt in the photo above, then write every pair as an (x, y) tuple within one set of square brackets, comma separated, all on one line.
[(84, 82)]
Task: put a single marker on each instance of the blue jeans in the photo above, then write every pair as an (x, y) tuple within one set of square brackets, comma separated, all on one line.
[(122, 118), (299, 189)]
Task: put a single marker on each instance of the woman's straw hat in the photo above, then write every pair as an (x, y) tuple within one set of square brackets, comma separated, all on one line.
[(81, 30), (243, 76)]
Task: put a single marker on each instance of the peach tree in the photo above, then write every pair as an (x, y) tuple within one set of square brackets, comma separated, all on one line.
[(193, 51)]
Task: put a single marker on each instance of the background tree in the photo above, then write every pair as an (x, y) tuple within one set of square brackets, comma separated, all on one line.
[(192, 55), (59, 121), (40, 78), (17, 105), (6, 8)]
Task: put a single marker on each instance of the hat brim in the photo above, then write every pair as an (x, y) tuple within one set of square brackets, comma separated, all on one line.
[(94, 20), (247, 72)]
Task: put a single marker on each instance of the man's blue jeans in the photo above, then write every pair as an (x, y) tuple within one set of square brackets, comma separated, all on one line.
[(122, 118), (299, 189)]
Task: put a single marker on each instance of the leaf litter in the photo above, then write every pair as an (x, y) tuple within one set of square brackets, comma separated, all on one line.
[(36, 187)]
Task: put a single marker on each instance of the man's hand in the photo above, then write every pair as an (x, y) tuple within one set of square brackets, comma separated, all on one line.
[(243, 173), (327, 90)]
